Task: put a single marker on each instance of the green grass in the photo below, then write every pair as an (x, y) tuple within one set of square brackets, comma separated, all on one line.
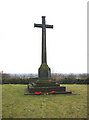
[(17, 105)]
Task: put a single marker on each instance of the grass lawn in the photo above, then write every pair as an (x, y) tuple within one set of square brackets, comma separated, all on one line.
[(17, 105)]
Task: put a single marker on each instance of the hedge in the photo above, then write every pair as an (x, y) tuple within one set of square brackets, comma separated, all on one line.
[(30, 80)]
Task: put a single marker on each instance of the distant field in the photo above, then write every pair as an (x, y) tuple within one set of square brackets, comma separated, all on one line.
[(17, 105)]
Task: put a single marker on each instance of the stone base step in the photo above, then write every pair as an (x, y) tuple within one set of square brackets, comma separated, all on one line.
[(26, 92), (46, 89)]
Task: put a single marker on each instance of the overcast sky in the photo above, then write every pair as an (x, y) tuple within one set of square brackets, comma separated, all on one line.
[(20, 42)]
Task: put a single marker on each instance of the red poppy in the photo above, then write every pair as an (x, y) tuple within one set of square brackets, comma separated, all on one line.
[(53, 92), (38, 93)]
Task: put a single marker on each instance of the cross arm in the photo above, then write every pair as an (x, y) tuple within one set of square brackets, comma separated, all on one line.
[(38, 25), (49, 26)]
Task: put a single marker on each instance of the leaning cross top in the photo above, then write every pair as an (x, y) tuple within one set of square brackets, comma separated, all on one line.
[(44, 71), (43, 26)]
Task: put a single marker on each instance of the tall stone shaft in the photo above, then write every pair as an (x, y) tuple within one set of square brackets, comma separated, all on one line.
[(44, 57)]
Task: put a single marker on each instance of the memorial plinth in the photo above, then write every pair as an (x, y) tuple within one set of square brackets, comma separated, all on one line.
[(44, 72), (44, 84)]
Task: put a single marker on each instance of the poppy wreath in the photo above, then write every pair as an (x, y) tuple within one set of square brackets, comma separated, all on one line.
[(53, 92), (38, 93)]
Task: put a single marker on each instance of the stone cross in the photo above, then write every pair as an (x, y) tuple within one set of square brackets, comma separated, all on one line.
[(44, 70), (43, 26)]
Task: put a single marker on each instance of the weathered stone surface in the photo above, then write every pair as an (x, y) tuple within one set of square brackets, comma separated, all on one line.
[(44, 72), (46, 89), (45, 83)]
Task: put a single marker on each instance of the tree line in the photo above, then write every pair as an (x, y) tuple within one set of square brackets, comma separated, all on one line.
[(61, 78)]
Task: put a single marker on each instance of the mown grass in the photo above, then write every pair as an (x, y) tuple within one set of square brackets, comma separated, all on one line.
[(17, 105)]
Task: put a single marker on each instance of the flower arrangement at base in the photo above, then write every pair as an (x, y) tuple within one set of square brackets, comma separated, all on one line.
[(38, 93), (53, 92)]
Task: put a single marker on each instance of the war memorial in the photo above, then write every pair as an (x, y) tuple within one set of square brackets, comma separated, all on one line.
[(44, 84)]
